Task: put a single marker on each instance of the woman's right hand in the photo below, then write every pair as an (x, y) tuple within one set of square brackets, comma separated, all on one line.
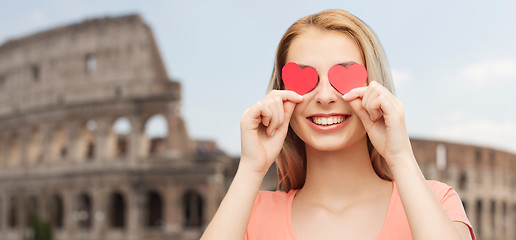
[(264, 127)]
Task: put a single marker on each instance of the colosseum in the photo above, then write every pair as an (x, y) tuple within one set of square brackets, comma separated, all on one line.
[(76, 103)]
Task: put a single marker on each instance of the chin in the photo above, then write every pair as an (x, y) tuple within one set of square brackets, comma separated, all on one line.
[(334, 142)]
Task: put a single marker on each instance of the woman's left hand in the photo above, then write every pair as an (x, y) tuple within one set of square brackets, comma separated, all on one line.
[(383, 117)]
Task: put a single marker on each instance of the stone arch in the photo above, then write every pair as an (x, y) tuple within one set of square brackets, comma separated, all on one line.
[(119, 137), (492, 213), (91, 63), (59, 143), (479, 210), (15, 150), (463, 180), (87, 138), (441, 156), (35, 154), (83, 214), (154, 209), (31, 210), (505, 219), (117, 208), (56, 211), (156, 132), (12, 218), (193, 205)]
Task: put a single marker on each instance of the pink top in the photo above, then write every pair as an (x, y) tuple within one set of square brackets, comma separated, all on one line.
[(271, 215)]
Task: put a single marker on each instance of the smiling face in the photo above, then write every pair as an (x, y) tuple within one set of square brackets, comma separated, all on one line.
[(323, 120)]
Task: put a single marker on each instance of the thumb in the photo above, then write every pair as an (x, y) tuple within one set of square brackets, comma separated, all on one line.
[(364, 116), (288, 110)]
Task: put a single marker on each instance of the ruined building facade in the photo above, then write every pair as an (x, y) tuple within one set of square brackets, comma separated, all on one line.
[(484, 178), (64, 91)]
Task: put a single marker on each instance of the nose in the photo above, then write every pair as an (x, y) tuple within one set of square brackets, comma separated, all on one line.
[(325, 94)]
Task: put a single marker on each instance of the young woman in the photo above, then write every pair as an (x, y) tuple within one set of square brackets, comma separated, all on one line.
[(345, 164)]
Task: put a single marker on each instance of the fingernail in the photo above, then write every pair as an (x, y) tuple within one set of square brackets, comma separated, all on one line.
[(371, 117), (273, 131), (346, 95)]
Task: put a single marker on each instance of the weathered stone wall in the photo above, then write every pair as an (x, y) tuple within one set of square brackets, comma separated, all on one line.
[(61, 93), (484, 178), (97, 60)]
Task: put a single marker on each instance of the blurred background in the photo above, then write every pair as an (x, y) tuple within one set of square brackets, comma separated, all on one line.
[(127, 112)]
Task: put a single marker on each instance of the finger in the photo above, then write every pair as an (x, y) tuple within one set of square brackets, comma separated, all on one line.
[(370, 101), (281, 110), (374, 108), (266, 114), (361, 112), (287, 95), (288, 110), (354, 93), (275, 120)]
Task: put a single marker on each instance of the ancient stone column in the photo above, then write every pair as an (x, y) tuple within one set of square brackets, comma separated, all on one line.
[(101, 135), (135, 138), (46, 143), (135, 204)]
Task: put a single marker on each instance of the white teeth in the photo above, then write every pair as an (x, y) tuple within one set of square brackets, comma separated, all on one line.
[(327, 120)]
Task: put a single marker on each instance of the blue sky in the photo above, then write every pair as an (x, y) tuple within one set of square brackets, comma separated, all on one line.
[(454, 62)]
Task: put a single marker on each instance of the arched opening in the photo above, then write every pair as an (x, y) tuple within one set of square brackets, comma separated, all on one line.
[(493, 213), (440, 153), (119, 136), (12, 218), (35, 153), (91, 63), (505, 220), (58, 144), (479, 217), (478, 156), (56, 211), (31, 210), (193, 209), (154, 209), (87, 140), (83, 213), (117, 208), (15, 150), (36, 72), (463, 181), (156, 132)]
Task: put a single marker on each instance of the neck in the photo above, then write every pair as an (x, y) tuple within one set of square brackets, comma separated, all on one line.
[(343, 175)]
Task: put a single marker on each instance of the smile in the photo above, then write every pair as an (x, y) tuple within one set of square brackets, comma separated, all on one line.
[(324, 121), (328, 122)]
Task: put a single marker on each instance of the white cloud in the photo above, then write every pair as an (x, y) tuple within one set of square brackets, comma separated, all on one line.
[(482, 73), (490, 133), (400, 76)]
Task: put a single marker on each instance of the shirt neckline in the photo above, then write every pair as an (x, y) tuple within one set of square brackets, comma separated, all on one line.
[(292, 194)]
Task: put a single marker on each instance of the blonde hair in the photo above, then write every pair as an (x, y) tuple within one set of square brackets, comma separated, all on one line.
[(291, 162)]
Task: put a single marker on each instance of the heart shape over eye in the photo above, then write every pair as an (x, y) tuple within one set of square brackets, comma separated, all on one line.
[(344, 79), (299, 80)]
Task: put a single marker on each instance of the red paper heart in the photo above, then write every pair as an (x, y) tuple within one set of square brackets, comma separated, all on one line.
[(344, 79), (299, 80)]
